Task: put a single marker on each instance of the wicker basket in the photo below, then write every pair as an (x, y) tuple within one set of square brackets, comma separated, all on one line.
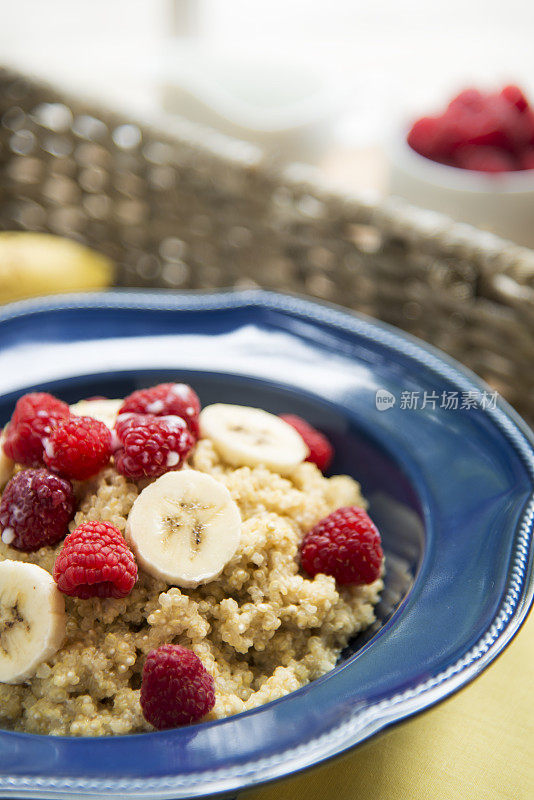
[(184, 208)]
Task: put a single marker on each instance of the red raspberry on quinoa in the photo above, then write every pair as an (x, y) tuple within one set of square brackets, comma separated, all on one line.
[(176, 688), (321, 451), (345, 544), (36, 415), (166, 399), (78, 447), (36, 509), (149, 446), (95, 561)]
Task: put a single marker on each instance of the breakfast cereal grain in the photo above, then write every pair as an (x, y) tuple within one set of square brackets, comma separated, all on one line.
[(261, 629)]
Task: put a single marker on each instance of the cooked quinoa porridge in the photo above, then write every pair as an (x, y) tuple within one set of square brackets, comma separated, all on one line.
[(261, 628)]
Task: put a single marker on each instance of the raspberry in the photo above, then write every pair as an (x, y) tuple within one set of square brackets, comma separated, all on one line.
[(524, 123), (485, 128), (95, 561), (500, 125), (321, 451), (424, 137), (36, 509), (514, 96), (471, 99), (35, 416), (484, 159), (501, 121), (518, 124), (176, 688), (527, 159), (166, 399), (150, 446), (452, 132), (346, 544), (78, 447)]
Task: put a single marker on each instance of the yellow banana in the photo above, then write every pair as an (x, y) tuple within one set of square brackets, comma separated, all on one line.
[(34, 264)]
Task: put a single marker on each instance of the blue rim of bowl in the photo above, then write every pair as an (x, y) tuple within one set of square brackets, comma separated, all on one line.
[(363, 724)]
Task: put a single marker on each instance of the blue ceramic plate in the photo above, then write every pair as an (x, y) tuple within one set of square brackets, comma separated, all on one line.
[(448, 469)]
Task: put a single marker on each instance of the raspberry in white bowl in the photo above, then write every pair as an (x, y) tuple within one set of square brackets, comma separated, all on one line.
[(472, 160)]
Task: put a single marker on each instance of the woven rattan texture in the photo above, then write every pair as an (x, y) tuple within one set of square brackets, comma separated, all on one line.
[(186, 209)]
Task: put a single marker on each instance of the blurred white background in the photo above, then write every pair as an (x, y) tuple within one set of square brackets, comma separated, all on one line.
[(397, 59)]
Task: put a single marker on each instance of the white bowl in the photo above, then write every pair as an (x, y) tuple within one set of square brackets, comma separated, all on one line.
[(502, 203)]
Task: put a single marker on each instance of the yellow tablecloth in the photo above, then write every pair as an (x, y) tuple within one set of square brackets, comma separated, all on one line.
[(478, 745)]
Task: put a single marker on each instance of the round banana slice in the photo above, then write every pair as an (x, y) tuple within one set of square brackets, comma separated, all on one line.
[(6, 464), (184, 528), (247, 437), (32, 619), (104, 410)]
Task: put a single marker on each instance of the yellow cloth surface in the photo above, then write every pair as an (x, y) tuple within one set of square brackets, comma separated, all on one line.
[(477, 745)]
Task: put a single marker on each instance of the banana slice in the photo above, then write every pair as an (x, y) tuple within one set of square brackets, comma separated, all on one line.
[(104, 410), (32, 619), (6, 463), (184, 528), (247, 436)]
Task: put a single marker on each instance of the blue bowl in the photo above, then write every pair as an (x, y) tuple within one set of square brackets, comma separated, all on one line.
[(448, 469)]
